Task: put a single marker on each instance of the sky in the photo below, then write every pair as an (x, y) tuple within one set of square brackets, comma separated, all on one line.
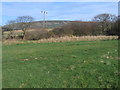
[(59, 0), (84, 11)]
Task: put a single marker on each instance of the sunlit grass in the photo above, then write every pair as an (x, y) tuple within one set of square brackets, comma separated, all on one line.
[(80, 64)]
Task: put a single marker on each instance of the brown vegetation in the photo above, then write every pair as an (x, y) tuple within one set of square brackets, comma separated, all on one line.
[(62, 39), (103, 24)]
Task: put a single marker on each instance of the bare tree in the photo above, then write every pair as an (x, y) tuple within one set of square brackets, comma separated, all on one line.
[(11, 25), (105, 17), (1, 33), (105, 20), (24, 23)]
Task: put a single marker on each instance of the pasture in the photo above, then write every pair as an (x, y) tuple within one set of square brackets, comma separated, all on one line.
[(78, 64)]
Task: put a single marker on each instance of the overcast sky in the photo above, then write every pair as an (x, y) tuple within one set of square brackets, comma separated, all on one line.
[(57, 10)]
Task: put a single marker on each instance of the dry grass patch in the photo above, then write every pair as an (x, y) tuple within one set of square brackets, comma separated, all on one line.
[(9, 42), (62, 39), (75, 38)]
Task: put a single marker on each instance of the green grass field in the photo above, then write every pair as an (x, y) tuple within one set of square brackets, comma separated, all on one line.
[(81, 64)]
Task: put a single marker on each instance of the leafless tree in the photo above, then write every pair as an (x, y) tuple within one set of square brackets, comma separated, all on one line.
[(11, 26), (24, 23), (105, 17), (1, 33), (105, 20)]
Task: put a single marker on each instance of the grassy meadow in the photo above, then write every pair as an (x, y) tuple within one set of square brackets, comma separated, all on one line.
[(79, 64)]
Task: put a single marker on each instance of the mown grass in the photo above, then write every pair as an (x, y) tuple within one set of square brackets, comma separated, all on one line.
[(80, 64)]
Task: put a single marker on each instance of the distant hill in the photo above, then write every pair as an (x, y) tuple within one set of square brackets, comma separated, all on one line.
[(49, 23), (39, 24)]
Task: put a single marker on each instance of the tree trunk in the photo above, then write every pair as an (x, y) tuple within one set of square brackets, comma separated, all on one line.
[(23, 34)]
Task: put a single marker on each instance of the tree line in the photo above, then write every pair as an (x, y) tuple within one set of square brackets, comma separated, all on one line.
[(22, 23), (102, 24)]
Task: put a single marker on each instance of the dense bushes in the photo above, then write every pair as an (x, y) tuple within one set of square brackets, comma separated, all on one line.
[(86, 28), (76, 28), (36, 34), (103, 24), (71, 29)]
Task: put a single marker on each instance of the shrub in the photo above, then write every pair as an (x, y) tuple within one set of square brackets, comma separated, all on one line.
[(75, 28), (36, 34)]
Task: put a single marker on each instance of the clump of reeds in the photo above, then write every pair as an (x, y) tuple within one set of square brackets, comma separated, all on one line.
[(63, 39), (75, 38)]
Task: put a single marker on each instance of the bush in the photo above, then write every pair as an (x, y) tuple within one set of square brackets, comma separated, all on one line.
[(75, 28), (50, 34), (61, 31), (36, 34)]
